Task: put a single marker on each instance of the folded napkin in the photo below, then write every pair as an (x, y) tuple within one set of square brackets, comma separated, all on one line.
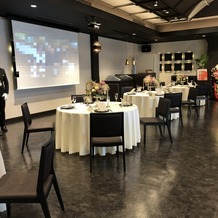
[(101, 106), (132, 91)]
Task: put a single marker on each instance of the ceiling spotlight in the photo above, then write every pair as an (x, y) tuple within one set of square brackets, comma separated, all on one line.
[(156, 4), (33, 6)]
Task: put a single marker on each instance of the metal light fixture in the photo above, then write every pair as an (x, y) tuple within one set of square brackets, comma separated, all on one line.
[(96, 47)]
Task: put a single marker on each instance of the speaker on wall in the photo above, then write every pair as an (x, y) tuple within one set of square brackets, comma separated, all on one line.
[(146, 48)]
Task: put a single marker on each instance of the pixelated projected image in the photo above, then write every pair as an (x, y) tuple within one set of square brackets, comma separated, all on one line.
[(45, 56)]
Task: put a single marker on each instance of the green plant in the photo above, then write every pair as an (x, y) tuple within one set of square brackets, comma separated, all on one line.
[(202, 61)]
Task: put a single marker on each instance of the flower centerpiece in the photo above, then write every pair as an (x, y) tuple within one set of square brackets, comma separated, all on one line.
[(181, 79), (97, 90), (151, 82), (214, 78)]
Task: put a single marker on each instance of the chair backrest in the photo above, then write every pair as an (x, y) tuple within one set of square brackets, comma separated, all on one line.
[(175, 98), (46, 169), (202, 90), (126, 89), (162, 83), (26, 114), (79, 98), (106, 124), (163, 108), (192, 93)]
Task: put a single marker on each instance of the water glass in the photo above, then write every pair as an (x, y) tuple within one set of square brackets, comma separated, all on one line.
[(74, 99), (116, 96), (108, 101)]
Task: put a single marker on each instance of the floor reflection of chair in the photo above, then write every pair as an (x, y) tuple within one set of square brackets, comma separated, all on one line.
[(107, 130), (32, 187), (175, 104), (162, 118), (30, 126)]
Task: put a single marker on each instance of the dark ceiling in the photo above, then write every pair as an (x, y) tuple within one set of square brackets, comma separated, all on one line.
[(72, 14)]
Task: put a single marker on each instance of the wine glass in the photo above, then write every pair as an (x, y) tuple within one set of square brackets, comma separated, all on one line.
[(108, 101), (116, 96), (74, 99)]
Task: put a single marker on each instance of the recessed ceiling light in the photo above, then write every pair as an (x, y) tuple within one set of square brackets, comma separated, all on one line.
[(33, 6), (134, 34), (155, 4), (203, 36)]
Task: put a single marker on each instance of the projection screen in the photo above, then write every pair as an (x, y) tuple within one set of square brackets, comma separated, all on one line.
[(44, 56)]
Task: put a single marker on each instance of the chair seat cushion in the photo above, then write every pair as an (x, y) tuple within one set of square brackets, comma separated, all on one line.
[(174, 110), (43, 126), (186, 102), (152, 121), (201, 97), (107, 140), (26, 184)]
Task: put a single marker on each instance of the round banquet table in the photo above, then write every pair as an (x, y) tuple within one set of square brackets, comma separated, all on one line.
[(146, 102), (184, 89), (2, 172), (73, 128)]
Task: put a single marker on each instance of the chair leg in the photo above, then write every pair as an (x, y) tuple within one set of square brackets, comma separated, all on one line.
[(27, 138), (189, 109), (8, 206), (58, 193), (180, 116), (196, 109), (117, 151), (44, 206), (160, 130), (90, 159), (124, 161), (24, 140)]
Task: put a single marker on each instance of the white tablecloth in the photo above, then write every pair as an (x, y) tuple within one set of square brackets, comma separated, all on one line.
[(146, 102), (2, 172), (73, 128), (184, 89), (178, 89)]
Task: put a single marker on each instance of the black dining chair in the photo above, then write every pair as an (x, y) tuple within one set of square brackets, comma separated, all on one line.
[(175, 104), (79, 98), (107, 130), (32, 187), (201, 92), (125, 89), (204, 93), (30, 126), (162, 118), (191, 101)]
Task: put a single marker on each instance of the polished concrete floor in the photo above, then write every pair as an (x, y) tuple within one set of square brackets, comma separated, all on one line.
[(162, 181)]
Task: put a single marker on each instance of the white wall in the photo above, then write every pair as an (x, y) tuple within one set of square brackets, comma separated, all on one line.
[(111, 61), (113, 55), (151, 60)]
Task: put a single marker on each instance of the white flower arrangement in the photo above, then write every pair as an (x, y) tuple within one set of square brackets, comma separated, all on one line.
[(94, 88), (151, 81)]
